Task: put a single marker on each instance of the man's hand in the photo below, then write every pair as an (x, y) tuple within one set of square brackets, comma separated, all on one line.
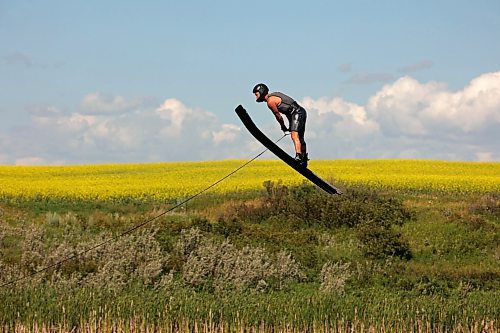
[(284, 128)]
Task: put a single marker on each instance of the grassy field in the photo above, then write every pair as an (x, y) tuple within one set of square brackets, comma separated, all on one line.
[(411, 246)]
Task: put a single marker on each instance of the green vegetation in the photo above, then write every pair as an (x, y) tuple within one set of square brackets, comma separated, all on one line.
[(287, 258)]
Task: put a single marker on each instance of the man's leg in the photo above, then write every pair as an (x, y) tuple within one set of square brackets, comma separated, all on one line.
[(300, 149), (296, 142), (303, 145), (301, 129), (297, 129)]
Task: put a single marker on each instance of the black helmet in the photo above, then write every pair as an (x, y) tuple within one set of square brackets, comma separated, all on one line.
[(263, 90)]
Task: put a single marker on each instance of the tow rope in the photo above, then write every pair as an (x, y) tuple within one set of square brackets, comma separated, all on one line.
[(113, 239)]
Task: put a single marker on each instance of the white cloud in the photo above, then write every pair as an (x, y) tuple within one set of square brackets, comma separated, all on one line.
[(98, 103), (409, 119), (404, 119), (39, 110), (65, 123), (174, 112), (408, 107), (228, 133), (339, 116), (168, 132), (397, 106)]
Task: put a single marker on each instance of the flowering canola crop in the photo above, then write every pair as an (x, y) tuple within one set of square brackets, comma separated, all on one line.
[(168, 181)]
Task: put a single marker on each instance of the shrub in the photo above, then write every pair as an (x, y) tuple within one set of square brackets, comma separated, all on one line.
[(366, 210), (221, 267), (334, 276), (379, 241), (201, 223), (227, 228), (188, 241), (312, 206), (136, 257), (132, 258)]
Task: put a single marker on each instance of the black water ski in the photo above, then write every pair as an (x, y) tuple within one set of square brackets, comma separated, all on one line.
[(250, 125)]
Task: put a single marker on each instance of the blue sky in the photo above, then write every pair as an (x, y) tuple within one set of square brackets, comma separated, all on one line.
[(134, 70)]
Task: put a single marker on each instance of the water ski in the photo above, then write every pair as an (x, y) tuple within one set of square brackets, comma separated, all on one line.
[(280, 153)]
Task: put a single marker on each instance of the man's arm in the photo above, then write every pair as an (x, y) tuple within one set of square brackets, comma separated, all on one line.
[(272, 104)]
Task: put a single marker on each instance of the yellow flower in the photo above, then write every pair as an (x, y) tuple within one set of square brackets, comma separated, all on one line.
[(167, 181)]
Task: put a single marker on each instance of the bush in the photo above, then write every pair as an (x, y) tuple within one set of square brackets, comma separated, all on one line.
[(109, 265), (313, 206), (221, 267), (379, 241), (372, 214), (227, 228), (334, 276)]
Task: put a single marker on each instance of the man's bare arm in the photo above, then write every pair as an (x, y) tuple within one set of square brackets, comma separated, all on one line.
[(272, 104)]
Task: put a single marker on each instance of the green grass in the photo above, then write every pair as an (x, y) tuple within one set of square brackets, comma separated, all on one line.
[(450, 282), (301, 308)]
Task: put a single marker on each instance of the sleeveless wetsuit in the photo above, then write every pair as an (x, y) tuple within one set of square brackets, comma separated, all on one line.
[(295, 113), (296, 116)]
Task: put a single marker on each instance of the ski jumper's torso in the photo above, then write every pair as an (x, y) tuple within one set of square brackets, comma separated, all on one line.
[(285, 106)]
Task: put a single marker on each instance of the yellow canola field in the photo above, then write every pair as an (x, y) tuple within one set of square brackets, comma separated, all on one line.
[(167, 181)]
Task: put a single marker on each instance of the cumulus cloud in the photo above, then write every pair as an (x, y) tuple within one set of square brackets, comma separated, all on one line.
[(98, 103), (170, 131), (408, 107), (340, 117), (39, 110), (404, 119), (442, 123), (409, 119), (228, 134), (177, 115)]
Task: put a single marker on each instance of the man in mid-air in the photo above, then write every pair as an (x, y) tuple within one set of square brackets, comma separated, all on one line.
[(280, 103)]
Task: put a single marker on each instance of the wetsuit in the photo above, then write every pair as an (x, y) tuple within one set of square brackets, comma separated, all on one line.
[(295, 114)]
